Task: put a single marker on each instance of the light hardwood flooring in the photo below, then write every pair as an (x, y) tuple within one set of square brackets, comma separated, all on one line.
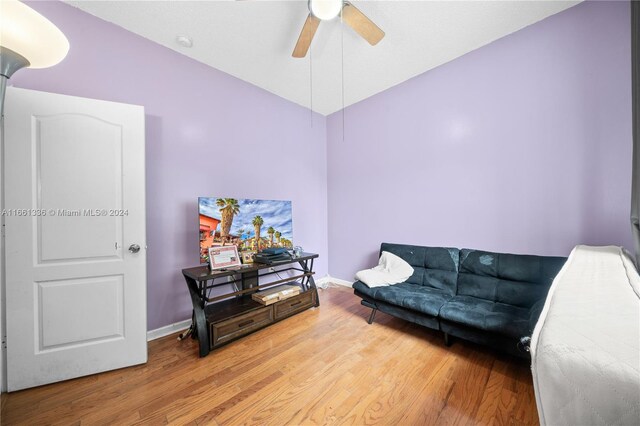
[(322, 366)]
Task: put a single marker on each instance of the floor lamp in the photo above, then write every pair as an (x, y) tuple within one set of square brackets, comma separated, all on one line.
[(27, 39)]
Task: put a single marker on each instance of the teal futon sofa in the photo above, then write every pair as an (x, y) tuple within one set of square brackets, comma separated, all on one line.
[(489, 298)]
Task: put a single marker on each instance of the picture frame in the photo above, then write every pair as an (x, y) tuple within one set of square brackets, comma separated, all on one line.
[(247, 257), (222, 257)]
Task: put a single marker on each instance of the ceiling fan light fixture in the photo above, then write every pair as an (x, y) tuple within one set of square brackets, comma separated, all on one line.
[(325, 9)]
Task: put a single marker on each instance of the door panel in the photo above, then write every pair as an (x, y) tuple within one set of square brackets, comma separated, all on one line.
[(78, 230), (74, 200), (58, 314)]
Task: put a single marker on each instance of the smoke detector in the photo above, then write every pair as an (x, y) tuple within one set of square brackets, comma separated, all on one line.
[(184, 41)]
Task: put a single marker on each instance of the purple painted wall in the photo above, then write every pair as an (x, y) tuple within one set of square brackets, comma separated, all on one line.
[(207, 134), (521, 146)]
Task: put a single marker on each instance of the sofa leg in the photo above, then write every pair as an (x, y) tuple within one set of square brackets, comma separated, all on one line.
[(447, 341), (372, 316)]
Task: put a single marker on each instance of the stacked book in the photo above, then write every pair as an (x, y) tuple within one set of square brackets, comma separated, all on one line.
[(274, 294), (271, 255)]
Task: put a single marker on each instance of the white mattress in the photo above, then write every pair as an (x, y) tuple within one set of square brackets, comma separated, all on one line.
[(585, 348)]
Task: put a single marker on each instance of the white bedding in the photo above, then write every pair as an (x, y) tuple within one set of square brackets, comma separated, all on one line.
[(585, 348), (391, 269)]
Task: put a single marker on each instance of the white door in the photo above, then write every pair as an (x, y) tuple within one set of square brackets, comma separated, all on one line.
[(74, 204)]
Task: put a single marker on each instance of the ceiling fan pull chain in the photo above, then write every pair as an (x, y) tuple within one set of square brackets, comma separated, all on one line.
[(342, 74), (311, 86)]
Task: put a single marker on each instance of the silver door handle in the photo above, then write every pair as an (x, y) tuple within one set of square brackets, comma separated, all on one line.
[(134, 248)]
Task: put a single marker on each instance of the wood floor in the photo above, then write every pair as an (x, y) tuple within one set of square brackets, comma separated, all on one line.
[(323, 366)]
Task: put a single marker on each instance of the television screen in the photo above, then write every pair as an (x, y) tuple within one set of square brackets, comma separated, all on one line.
[(251, 225)]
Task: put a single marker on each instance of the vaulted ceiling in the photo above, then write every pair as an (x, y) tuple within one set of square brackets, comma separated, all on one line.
[(253, 40)]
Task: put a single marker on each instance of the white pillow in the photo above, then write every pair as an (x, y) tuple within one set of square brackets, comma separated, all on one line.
[(391, 269)]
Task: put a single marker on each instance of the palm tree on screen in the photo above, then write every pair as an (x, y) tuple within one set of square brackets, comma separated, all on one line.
[(257, 224), (271, 231), (229, 207)]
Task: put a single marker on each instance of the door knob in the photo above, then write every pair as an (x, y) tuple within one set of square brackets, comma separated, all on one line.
[(134, 248)]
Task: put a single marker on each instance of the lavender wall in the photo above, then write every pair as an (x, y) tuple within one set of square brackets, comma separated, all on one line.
[(207, 134), (521, 146)]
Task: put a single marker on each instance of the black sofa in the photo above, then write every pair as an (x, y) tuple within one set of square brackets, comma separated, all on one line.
[(488, 298)]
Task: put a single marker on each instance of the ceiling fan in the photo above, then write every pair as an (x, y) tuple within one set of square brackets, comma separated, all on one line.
[(325, 10)]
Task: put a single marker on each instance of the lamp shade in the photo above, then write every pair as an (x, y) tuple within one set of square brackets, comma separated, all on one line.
[(31, 35)]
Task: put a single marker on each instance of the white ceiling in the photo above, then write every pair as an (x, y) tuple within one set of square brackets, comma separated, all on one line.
[(253, 40)]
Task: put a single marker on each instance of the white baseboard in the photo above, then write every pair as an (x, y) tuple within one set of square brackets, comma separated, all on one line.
[(168, 329), (326, 280)]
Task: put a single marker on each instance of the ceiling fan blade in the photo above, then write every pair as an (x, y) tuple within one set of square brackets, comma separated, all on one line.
[(361, 24), (306, 36)]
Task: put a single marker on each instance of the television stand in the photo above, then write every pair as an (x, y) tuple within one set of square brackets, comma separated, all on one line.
[(218, 320)]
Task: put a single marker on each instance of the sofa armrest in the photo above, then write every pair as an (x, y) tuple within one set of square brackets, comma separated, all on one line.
[(534, 314)]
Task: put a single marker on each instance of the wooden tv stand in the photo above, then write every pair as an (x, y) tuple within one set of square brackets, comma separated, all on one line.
[(220, 319)]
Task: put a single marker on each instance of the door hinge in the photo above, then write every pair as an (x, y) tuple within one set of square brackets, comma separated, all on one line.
[(4, 342)]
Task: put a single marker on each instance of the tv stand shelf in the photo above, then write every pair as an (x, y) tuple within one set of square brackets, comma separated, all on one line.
[(220, 319)]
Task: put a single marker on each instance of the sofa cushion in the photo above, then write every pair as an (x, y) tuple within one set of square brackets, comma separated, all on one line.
[(410, 296), (487, 315), (435, 267), (519, 280)]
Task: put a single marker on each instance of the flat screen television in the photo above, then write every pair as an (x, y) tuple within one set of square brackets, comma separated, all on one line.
[(251, 225)]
